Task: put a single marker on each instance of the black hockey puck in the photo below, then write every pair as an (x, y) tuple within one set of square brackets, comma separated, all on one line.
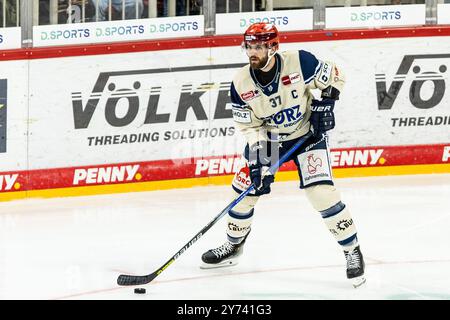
[(139, 290)]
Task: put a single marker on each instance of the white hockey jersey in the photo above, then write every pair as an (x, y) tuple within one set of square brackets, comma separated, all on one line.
[(281, 107)]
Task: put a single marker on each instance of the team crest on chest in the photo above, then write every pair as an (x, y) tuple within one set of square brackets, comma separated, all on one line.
[(292, 78)]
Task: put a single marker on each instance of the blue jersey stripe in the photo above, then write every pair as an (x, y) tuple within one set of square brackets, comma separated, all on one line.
[(309, 64), (236, 100)]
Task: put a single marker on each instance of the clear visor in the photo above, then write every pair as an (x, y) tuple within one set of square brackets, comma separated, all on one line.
[(251, 47)]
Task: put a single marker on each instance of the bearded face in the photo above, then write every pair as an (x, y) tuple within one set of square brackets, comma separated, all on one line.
[(258, 54), (258, 62)]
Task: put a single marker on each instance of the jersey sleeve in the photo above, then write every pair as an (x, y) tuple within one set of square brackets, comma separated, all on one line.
[(236, 100), (319, 74), (245, 119)]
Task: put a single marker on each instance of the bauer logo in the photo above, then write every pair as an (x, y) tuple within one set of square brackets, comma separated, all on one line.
[(3, 114), (106, 175), (134, 96)]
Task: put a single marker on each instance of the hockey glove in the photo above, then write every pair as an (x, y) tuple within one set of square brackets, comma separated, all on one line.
[(258, 163), (322, 116), (262, 184)]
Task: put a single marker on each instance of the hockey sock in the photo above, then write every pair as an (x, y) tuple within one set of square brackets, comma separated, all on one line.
[(238, 225), (340, 223)]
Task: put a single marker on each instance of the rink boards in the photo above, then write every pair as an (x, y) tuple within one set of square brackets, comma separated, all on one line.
[(157, 115)]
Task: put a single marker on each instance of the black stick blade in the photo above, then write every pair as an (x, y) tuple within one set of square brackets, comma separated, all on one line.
[(128, 280)]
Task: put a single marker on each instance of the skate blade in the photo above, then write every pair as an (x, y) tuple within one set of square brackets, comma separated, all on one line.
[(224, 264), (358, 281)]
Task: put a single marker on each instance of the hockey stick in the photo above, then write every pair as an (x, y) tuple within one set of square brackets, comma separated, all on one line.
[(132, 280)]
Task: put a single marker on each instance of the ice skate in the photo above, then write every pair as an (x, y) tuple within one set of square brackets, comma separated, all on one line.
[(226, 255), (355, 267)]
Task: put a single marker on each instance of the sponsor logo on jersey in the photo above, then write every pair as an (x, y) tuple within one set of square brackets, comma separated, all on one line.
[(313, 163), (286, 80), (286, 117), (242, 116), (292, 78), (106, 174), (336, 74), (324, 73), (8, 182), (247, 96), (243, 179), (314, 166)]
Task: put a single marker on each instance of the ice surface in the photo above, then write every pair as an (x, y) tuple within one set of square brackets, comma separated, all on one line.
[(74, 248)]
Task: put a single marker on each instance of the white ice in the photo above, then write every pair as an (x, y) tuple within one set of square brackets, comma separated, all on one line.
[(74, 248)]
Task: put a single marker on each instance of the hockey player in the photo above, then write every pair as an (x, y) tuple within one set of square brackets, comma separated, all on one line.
[(273, 107)]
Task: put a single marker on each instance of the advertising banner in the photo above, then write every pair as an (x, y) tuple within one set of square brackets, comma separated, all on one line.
[(284, 20), (375, 16), (443, 13), (396, 90), (10, 38), (13, 125), (13, 115), (113, 31), (162, 115), (175, 104), (142, 106), (160, 170)]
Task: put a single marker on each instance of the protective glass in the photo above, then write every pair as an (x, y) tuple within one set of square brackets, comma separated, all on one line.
[(251, 47)]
